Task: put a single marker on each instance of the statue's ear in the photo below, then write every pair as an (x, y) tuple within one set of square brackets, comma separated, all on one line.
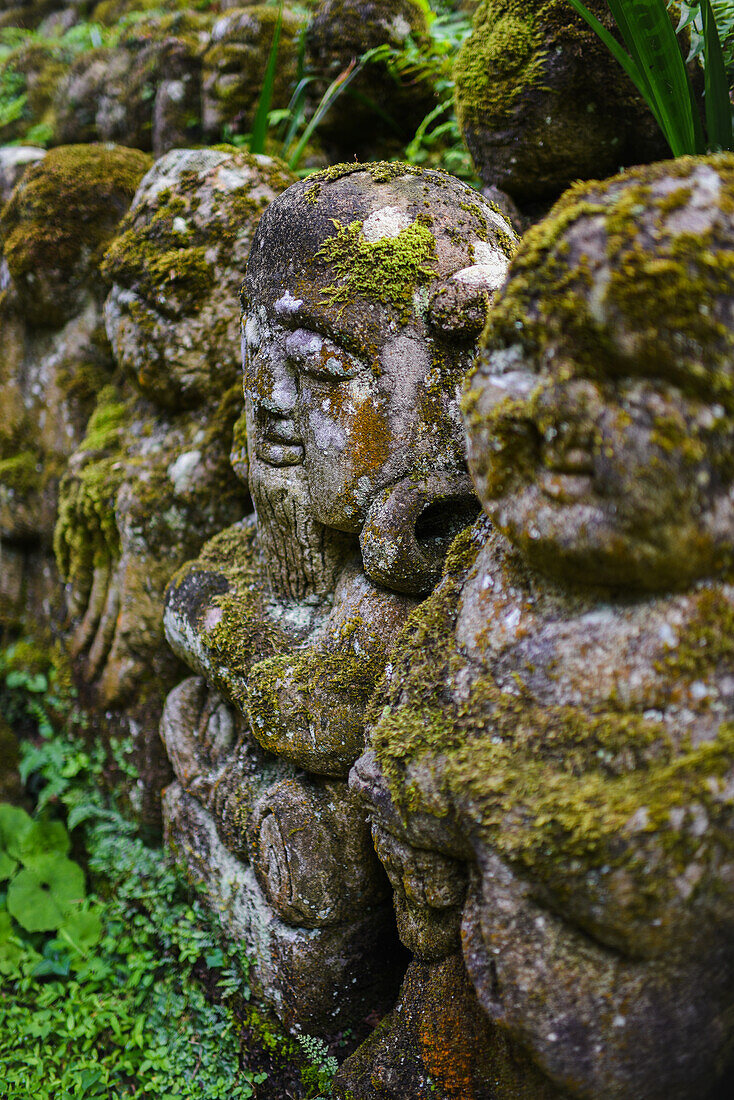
[(458, 310), (459, 304)]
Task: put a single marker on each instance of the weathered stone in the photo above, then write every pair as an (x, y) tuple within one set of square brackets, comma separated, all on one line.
[(558, 715), (144, 92), (234, 66), (55, 356), (14, 160), (355, 465), (390, 108), (438, 1045), (541, 101), (312, 977), (150, 483)]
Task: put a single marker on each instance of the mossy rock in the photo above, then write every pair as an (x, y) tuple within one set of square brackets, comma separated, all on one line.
[(541, 102), (59, 221), (233, 68), (627, 285), (176, 267)]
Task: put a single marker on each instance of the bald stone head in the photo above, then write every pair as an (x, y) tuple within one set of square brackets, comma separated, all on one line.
[(365, 291)]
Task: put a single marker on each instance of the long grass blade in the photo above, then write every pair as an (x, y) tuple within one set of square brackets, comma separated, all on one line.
[(718, 107), (296, 108), (260, 124), (653, 42)]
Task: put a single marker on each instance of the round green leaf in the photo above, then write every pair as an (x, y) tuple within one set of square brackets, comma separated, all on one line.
[(14, 824), (40, 896), (43, 838), (81, 931), (7, 865)]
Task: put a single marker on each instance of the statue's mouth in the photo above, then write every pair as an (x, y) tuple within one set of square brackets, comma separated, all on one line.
[(410, 527), (278, 443)]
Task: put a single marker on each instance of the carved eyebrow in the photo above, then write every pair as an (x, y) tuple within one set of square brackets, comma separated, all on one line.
[(322, 321)]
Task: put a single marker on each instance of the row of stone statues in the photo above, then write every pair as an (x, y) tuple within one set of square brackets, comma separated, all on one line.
[(493, 700)]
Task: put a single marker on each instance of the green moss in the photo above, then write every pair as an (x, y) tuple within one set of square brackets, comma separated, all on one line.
[(166, 246), (105, 422), (379, 171), (667, 289), (706, 641), (86, 535), (22, 473), (386, 271), (551, 788), (67, 207), (244, 633), (506, 54)]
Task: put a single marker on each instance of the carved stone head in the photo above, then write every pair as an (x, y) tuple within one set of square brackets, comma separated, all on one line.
[(555, 723), (601, 435), (182, 249), (365, 290), (54, 356)]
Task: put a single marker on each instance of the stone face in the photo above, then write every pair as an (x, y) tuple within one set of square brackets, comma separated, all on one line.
[(541, 102), (353, 361), (340, 32), (556, 723), (151, 480), (234, 65), (55, 356)]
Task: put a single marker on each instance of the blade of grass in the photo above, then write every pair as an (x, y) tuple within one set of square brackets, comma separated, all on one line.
[(260, 124), (718, 108), (295, 108)]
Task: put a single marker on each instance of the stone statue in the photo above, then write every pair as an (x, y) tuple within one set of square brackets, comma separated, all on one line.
[(234, 64), (55, 357), (551, 762), (152, 479), (365, 291)]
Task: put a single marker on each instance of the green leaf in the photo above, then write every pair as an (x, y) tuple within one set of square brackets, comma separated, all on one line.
[(43, 838), (41, 895), (14, 825), (630, 65), (718, 107), (260, 123), (648, 34), (81, 931)]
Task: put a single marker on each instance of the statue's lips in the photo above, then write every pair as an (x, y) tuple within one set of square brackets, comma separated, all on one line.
[(278, 442), (567, 477), (564, 488)]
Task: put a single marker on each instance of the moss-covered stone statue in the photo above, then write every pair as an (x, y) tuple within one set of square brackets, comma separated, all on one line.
[(541, 101), (365, 291), (381, 110), (234, 65), (145, 91), (55, 356), (152, 480), (551, 769)]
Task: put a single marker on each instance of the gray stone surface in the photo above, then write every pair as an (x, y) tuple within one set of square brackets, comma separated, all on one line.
[(362, 299), (556, 722)]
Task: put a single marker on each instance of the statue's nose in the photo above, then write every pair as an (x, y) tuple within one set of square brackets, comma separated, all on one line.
[(272, 383)]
